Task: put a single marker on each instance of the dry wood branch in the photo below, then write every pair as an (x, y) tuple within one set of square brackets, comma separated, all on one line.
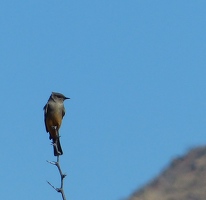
[(57, 164), (61, 189)]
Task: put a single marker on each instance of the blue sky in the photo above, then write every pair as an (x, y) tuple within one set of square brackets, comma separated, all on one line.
[(135, 72)]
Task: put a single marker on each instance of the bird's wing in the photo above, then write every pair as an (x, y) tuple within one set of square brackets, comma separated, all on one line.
[(63, 112), (45, 114)]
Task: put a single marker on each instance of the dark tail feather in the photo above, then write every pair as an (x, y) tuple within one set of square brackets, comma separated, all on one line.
[(57, 148)]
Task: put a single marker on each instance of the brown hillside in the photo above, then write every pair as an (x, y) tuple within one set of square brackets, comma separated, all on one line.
[(184, 179)]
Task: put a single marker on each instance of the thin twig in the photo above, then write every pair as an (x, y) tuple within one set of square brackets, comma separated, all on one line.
[(57, 163), (61, 189), (51, 185), (52, 163)]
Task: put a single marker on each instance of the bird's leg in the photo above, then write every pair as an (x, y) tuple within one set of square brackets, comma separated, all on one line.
[(55, 142), (54, 127), (55, 146)]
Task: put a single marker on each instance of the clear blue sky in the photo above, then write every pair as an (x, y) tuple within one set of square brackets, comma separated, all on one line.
[(136, 75)]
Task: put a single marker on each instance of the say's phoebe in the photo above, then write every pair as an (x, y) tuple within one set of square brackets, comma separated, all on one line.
[(54, 112)]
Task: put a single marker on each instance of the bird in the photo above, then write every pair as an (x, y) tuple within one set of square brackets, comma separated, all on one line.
[(54, 112)]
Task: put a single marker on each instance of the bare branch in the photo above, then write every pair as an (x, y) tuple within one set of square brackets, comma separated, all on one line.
[(51, 185), (51, 162), (62, 176)]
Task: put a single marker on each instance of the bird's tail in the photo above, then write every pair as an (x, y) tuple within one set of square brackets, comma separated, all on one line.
[(57, 147)]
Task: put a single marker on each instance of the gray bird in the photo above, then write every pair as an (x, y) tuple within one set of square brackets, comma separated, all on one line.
[(54, 112)]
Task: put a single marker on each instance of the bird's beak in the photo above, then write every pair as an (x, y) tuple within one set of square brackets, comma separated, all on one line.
[(66, 98)]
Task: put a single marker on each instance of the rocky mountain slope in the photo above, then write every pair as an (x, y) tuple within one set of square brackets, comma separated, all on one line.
[(184, 179)]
